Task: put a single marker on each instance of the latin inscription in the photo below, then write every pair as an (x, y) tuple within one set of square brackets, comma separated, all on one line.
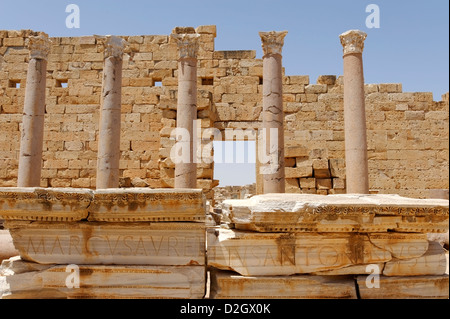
[(108, 245), (304, 255), (327, 256)]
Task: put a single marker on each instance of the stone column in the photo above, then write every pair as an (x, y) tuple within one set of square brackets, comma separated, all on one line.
[(354, 113), (110, 114), (30, 156), (186, 170), (273, 115)]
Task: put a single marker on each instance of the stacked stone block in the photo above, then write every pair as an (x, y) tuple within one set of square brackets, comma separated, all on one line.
[(315, 176), (115, 243), (337, 246)]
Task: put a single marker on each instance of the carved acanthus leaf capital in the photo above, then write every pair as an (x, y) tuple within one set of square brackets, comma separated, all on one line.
[(114, 46), (353, 41), (273, 41), (39, 46), (187, 44)]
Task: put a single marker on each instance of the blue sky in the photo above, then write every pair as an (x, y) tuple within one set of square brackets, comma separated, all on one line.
[(410, 47)]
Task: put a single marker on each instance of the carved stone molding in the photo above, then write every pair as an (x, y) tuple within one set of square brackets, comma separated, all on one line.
[(44, 204), (112, 205), (339, 213), (147, 205), (353, 41), (251, 253), (39, 46), (273, 41), (187, 44)]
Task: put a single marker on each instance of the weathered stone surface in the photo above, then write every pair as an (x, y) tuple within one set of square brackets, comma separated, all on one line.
[(23, 280), (94, 243), (113, 205), (51, 204), (417, 287), (338, 213), (229, 285), (295, 151), (266, 254), (442, 239), (433, 262), (7, 248), (351, 270), (143, 204), (401, 246)]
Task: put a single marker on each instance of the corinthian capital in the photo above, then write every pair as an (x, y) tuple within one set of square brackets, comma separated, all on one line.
[(187, 44), (39, 46), (353, 41), (114, 46), (273, 41)]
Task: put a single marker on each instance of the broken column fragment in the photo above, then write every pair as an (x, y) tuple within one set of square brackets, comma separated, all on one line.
[(293, 238)]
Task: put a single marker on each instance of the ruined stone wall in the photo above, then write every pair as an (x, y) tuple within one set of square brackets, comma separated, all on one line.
[(407, 132), (233, 192)]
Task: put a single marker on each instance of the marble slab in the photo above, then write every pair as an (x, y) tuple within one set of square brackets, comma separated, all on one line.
[(415, 287), (44, 204), (229, 285), (433, 262), (338, 213), (7, 249), (148, 205), (108, 205), (92, 243), (19, 281), (265, 254)]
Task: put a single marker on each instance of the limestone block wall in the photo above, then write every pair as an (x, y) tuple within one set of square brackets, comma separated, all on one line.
[(407, 138), (407, 132)]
